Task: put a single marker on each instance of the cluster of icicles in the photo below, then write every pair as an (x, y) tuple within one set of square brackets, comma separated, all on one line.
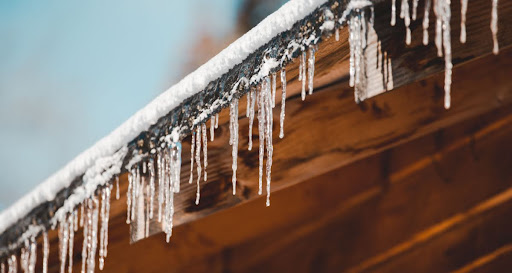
[(94, 217), (442, 11), (157, 179)]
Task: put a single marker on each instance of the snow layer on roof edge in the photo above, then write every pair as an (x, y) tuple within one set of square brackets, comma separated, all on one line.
[(279, 21)]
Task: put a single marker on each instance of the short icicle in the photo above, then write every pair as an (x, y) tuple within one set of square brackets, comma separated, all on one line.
[(128, 201), (494, 27), (463, 10), (311, 70), (117, 188), (283, 101), (63, 243), (212, 128), (198, 162), (393, 12), (425, 22), (152, 189), (234, 137)]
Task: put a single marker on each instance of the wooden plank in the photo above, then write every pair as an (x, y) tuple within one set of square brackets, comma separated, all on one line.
[(344, 216), (250, 236)]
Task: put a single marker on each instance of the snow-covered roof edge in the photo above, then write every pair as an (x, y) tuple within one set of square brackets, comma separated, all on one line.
[(281, 20)]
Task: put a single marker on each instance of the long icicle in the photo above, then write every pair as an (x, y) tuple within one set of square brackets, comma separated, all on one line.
[(46, 251), (71, 242), (303, 71), (283, 101), (274, 89), (234, 137), (205, 151), (268, 137), (261, 133), (192, 149), (198, 162)]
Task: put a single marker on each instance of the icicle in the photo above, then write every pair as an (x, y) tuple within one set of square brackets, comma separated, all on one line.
[(301, 63), (46, 251), (192, 149), (205, 150), (443, 15), (152, 190), (117, 188), (303, 71), (82, 215), (198, 162), (135, 191), (311, 69), (426, 21), (216, 120), (71, 242), (463, 10), (261, 133), (414, 9), (393, 12), (438, 39), (2, 267), (160, 184), (12, 264), (404, 14), (91, 263), (252, 94), (128, 200), (358, 44), (268, 137), (494, 27), (104, 218), (86, 240), (24, 257), (337, 34), (274, 89), (63, 244), (283, 101), (234, 137), (212, 128)]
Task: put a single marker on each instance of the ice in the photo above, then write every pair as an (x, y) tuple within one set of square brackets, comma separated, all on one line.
[(63, 244), (261, 130), (71, 242), (274, 90), (212, 128), (393, 12), (217, 121), (425, 22), (311, 71), (46, 251), (2, 268), (12, 264), (303, 72), (283, 101), (205, 150), (404, 14), (234, 140), (198, 162), (128, 201), (494, 27), (463, 10), (337, 34), (192, 149), (251, 94), (358, 43), (104, 219), (152, 190), (117, 188), (414, 9), (268, 135)]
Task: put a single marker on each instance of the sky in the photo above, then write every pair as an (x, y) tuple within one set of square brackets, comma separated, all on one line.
[(72, 71)]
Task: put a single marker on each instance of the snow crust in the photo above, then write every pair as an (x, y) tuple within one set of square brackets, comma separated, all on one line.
[(281, 20)]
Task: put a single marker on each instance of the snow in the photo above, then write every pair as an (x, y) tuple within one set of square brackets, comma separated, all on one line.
[(281, 20)]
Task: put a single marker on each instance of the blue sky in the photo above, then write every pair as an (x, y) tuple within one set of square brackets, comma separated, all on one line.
[(72, 71)]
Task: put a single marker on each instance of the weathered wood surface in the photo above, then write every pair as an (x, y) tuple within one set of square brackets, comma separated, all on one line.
[(346, 213), (442, 199)]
